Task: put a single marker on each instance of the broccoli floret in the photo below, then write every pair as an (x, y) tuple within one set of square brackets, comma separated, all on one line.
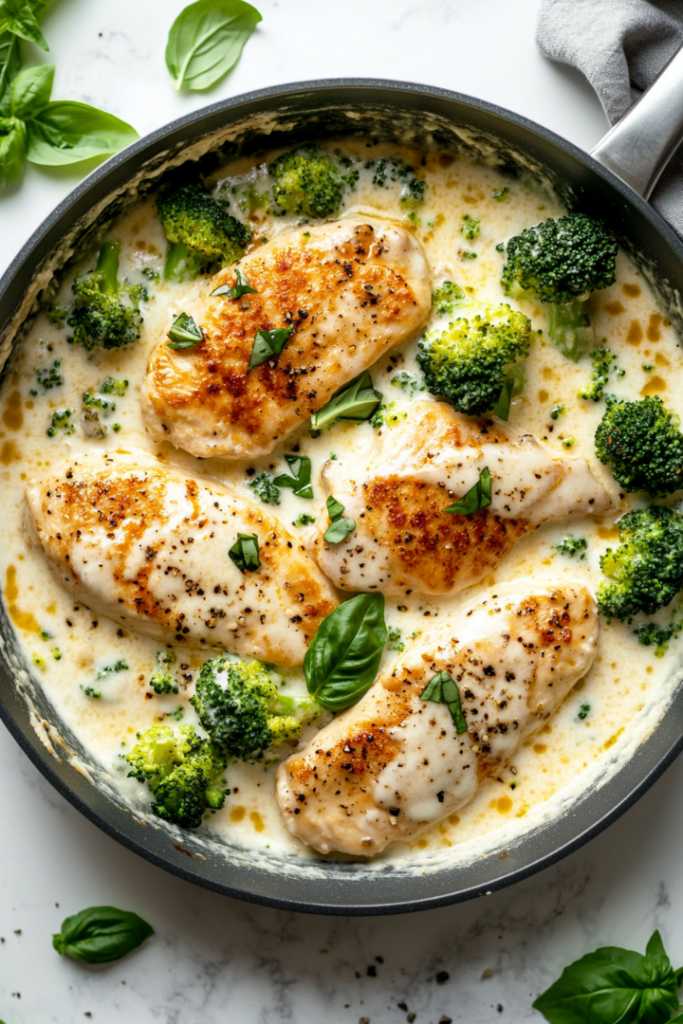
[(602, 360), (573, 546), (309, 183), (201, 232), (647, 568), (239, 706), (50, 376), (561, 262), (470, 362), (163, 680), (446, 297), (61, 421), (649, 634), (264, 488), (641, 443), (111, 386), (182, 770), (106, 313)]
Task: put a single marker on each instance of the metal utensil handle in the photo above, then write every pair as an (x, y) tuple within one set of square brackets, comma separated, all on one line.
[(640, 145)]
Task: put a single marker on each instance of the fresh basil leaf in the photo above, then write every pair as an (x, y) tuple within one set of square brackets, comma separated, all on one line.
[(240, 288), (343, 659), (613, 984), (206, 40), (13, 145), (502, 406), (10, 65), (300, 480), (268, 344), (357, 401), (340, 528), (66, 132), (184, 333), (245, 552), (100, 935), (443, 689), (30, 92), (334, 507), (19, 17), (477, 498)]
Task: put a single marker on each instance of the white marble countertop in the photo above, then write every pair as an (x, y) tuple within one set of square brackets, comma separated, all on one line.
[(215, 959)]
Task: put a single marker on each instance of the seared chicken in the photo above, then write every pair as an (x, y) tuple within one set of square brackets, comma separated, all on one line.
[(397, 491), (147, 545), (351, 290), (395, 764)]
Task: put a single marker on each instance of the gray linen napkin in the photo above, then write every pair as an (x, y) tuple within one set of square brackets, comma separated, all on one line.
[(620, 46)]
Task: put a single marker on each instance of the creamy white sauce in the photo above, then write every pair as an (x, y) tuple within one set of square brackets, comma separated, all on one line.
[(627, 690)]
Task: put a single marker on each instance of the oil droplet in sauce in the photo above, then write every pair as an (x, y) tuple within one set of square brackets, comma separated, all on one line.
[(612, 740), (504, 805), (635, 333), (13, 417), (654, 386), (608, 532), (653, 331), (9, 453), (237, 813), (540, 748), (632, 290), (614, 308), (24, 620), (257, 821)]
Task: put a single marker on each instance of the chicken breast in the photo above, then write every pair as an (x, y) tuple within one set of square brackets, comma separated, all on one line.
[(397, 491), (351, 290), (147, 545), (394, 764)]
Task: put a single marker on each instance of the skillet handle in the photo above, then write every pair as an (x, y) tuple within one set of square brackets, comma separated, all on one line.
[(640, 145)]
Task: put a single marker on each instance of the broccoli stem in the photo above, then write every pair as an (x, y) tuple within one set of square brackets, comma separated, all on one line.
[(108, 266), (182, 263)]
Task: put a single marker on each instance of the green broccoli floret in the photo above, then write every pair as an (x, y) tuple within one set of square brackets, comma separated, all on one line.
[(573, 546), (309, 183), (111, 386), (182, 769), (471, 361), (264, 488), (561, 262), (239, 706), (106, 313), (164, 680), (647, 568), (603, 361), (201, 232), (446, 297), (641, 443), (650, 634)]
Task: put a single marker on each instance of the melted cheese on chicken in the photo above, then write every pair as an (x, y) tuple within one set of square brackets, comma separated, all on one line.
[(394, 764), (148, 545), (351, 290), (397, 491)]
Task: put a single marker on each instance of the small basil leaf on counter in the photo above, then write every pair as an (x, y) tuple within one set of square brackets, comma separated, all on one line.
[(357, 401), (31, 90), (66, 132), (206, 40), (245, 552), (268, 344), (502, 406), (20, 18), (342, 661), (613, 984), (340, 528), (443, 689), (477, 498), (300, 480), (236, 291), (100, 935), (10, 65), (184, 333), (13, 143)]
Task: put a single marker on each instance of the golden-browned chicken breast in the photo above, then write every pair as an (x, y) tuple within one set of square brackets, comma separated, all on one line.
[(350, 290), (147, 545), (397, 491), (396, 763)]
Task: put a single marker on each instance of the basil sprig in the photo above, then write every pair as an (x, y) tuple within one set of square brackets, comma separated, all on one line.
[(100, 935), (184, 333), (206, 40), (502, 406), (47, 132), (268, 344), (357, 401), (614, 984), (300, 480), (245, 552), (340, 528), (20, 18), (477, 498), (443, 689), (241, 287), (342, 662)]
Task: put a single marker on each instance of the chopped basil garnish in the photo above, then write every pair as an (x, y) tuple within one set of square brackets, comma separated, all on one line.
[(477, 498), (100, 935), (358, 401), (245, 552), (240, 288), (300, 480), (502, 406), (184, 333), (268, 344), (343, 659), (340, 528), (442, 689)]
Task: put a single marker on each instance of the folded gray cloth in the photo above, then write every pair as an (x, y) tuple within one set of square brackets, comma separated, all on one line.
[(620, 46)]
